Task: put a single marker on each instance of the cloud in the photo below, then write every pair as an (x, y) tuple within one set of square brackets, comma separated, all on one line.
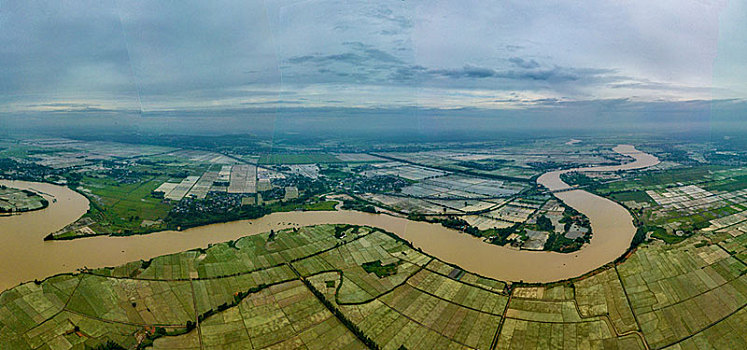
[(559, 74), (659, 86), (513, 48), (387, 14), (466, 72), (177, 55), (522, 63), (358, 54), (554, 74), (272, 103)]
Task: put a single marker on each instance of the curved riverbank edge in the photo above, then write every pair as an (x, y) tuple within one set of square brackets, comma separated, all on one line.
[(22, 245), (44, 202)]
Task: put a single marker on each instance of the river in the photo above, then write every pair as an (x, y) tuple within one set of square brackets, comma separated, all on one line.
[(26, 256)]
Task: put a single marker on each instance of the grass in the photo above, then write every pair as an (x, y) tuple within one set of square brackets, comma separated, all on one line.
[(334, 174), (734, 183), (666, 237), (321, 206), (674, 176), (123, 207), (310, 206), (654, 179), (636, 196)]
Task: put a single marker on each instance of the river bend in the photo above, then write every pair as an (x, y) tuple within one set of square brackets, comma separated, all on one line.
[(26, 256)]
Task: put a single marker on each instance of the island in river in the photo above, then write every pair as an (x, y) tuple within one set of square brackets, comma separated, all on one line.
[(356, 287), (13, 200), (21, 240)]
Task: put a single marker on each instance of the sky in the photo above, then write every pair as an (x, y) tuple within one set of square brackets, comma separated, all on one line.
[(156, 56)]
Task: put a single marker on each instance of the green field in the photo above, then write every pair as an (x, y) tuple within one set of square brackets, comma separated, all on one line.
[(121, 208), (309, 288), (688, 199), (659, 179), (309, 158), (636, 196), (730, 184), (680, 291), (322, 205), (313, 206)]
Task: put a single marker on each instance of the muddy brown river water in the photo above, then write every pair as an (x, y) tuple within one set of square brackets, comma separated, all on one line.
[(25, 256)]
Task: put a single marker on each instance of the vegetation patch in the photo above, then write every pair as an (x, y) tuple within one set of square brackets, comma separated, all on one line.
[(15, 200), (561, 244), (637, 196), (380, 270), (358, 205), (660, 233)]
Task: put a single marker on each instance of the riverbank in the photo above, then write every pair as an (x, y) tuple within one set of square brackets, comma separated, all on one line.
[(21, 239), (16, 201)]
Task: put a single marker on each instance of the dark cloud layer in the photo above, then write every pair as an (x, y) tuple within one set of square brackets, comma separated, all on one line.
[(194, 55)]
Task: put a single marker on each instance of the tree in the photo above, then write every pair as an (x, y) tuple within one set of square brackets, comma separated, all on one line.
[(544, 223)]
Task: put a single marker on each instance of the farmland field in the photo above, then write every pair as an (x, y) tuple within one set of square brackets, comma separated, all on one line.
[(297, 158), (123, 207), (675, 203), (13, 200), (310, 287)]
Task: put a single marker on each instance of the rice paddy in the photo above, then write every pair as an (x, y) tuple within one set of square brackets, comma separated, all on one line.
[(310, 288)]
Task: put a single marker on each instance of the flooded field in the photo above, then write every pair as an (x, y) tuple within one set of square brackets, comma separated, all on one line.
[(25, 256)]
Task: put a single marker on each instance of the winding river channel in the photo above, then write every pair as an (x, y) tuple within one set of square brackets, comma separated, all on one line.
[(25, 256)]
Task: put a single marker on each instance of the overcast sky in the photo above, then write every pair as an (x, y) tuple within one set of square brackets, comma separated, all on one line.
[(178, 55)]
